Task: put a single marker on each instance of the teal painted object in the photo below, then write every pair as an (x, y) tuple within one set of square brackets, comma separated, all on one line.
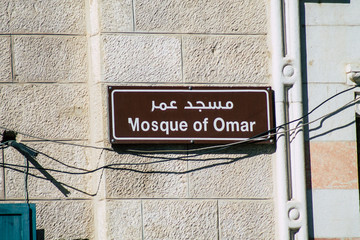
[(17, 221)]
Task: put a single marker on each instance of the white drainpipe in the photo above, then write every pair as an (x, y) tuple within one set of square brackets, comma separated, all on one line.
[(291, 213)]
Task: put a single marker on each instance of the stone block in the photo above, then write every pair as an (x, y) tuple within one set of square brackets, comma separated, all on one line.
[(116, 16), (246, 220), (124, 219), (45, 110), (329, 50), (226, 59), (139, 58), (53, 157), (335, 213), (180, 219), (54, 16), (242, 173), (50, 59), (333, 165), (5, 13), (340, 13), (65, 219), (204, 16), (338, 126), (145, 176), (5, 59)]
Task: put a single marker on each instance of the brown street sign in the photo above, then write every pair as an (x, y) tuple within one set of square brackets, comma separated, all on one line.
[(189, 115)]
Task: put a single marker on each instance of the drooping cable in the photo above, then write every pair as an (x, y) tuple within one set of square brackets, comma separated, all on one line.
[(26, 176), (112, 166)]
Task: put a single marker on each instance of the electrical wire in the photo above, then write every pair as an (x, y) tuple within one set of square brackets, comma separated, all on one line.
[(111, 166), (269, 133), (62, 183), (221, 146), (26, 176), (115, 166), (85, 171)]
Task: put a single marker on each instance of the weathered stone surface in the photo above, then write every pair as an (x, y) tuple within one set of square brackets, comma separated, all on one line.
[(116, 16), (204, 16), (45, 110), (53, 157), (52, 16), (180, 219), (139, 58), (65, 219), (5, 59), (145, 176), (226, 59), (242, 173), (246, 220), (124, 219), (50, 59)]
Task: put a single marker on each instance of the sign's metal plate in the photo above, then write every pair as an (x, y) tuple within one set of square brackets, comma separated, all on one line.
[(183, 115)]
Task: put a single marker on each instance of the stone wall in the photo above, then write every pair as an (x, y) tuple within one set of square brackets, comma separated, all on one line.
[(57, 58)]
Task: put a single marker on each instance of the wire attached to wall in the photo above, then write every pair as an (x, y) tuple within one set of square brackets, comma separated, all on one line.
[(272, 132), (110, 166)]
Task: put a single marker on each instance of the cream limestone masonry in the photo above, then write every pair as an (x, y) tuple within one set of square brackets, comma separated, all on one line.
[(57, 58), (50, 111), (129, 184), (40, 188), (180, 219), (43, 92), (246, 172), (258, 223), (203, 16), (217, 59), (97, 114), (147, 43), (116, 16), (125, 220), (5, 59), (142, 58), (70, 219), (50, 17), (50, 59)]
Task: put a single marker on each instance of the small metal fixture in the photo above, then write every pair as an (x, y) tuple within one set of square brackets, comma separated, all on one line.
[(353, 73)]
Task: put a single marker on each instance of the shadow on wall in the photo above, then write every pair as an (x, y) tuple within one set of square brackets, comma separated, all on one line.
[(306, 105), (245, 150)]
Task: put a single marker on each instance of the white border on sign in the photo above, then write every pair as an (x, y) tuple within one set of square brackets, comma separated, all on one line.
[(186, 138)]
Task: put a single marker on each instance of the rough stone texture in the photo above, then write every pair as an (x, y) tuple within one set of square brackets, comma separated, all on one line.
[(246, 220), (65, 219), (180, 219), (47, 111), (124, 220), (5, 59), (245, 172), (52, 156), (51, 16), (116, 16), (50, 59), (145, 176), (225, 59), (204, 16), (134, 58)]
